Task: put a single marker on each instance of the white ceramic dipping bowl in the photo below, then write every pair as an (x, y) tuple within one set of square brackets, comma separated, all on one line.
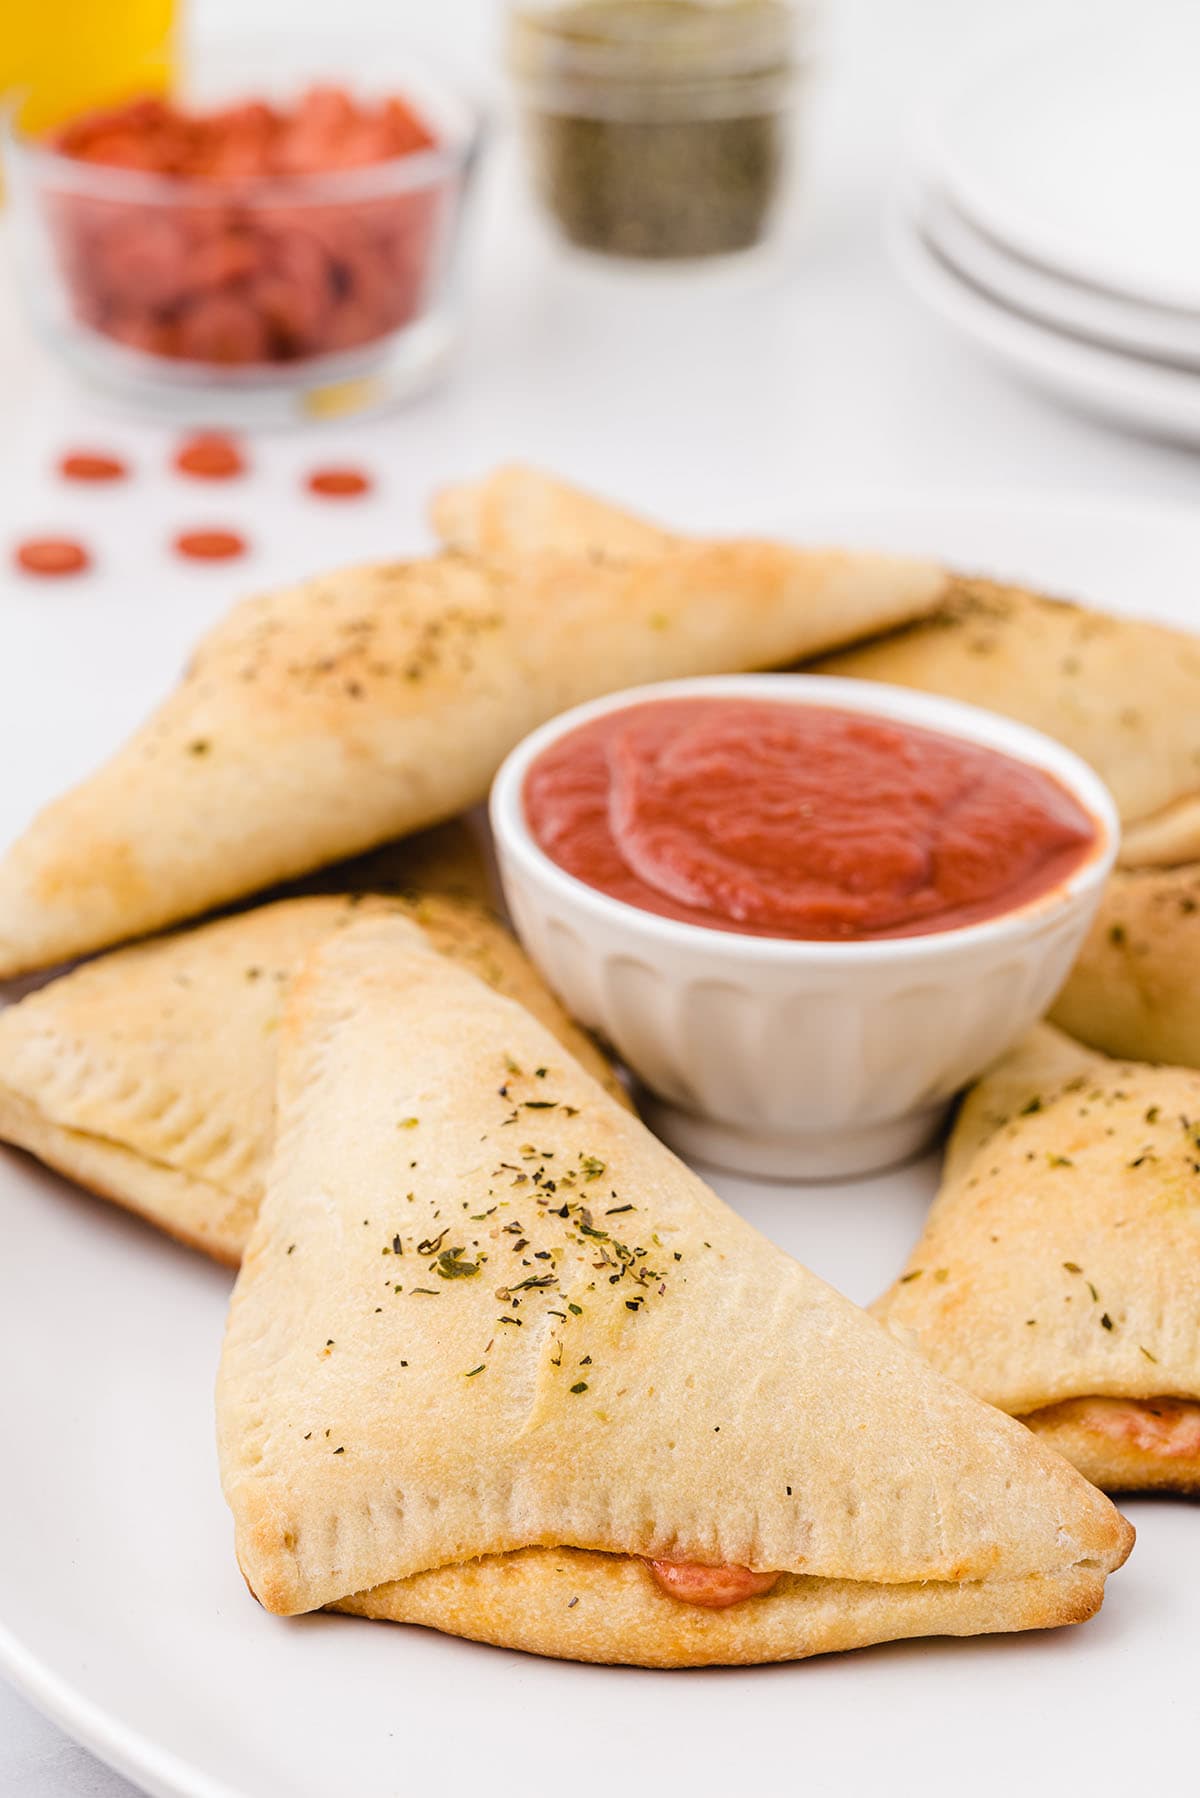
[(786, 1058)]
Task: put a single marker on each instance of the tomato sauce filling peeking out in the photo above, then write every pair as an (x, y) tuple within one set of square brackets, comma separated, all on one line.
[(714, 1588), (236, 271), (1163, 1428), (786, 820)]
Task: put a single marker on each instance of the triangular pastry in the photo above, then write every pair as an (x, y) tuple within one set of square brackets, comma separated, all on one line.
[(148, 1075), (317, 722), (1134, 990), (498, 1362), (1122, 693), (518, 511), (1059, 1273)]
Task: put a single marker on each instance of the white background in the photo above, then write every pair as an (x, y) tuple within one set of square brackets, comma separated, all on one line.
[(710, 404)]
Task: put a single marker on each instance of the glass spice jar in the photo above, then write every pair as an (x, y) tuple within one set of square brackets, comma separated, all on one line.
[(658, 129)]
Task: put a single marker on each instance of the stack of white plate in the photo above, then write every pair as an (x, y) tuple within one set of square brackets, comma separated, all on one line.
[(1052, 213)]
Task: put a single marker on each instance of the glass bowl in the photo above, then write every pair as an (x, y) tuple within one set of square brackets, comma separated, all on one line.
[(661, 132), (257, 299)]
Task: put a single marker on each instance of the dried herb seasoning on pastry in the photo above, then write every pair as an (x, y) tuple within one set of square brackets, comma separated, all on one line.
[(148, 1075), (318, 722), (1122, 693), (1135, 989), (1059, 1273), (497, 1362)]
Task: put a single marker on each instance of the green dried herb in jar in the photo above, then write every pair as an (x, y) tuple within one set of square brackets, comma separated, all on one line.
[(657, 129)]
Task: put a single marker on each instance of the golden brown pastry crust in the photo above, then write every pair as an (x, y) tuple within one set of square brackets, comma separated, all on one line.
[(584, 1606), (518, 511), (183, 1205), (682, 1390), (1122, 693), (148, 1075), (1134, 991), (1061, 1259)]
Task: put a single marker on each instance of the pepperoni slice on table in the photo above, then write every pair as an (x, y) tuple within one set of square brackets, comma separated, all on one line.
[(210, 546), (210, 457), (51, 556), (91, 465), (339, 483)]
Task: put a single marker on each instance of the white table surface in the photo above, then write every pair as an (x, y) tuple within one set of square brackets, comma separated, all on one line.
[(712, 404)]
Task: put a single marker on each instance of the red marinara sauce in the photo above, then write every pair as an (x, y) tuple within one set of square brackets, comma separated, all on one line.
[(783, 820)]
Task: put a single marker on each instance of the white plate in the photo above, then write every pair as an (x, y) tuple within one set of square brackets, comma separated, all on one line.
[(121, 1609), (1142, 396), (1092, 313), (1081, 150)]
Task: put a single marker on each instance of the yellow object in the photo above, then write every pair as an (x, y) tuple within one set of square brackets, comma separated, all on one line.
[(64, 56), (341, 399)]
